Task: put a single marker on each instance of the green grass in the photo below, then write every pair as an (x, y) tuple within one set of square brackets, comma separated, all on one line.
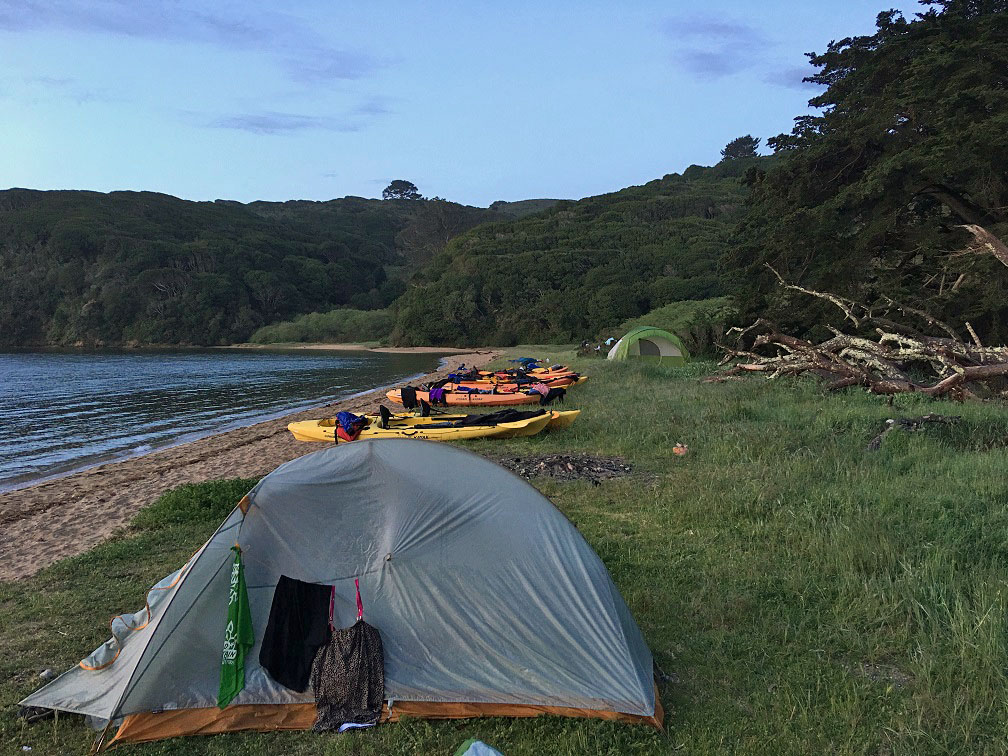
[(805, 595)]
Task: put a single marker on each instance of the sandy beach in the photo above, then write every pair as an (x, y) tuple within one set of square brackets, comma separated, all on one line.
[(58, 518)]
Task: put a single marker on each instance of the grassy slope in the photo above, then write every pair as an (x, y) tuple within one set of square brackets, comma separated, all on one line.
[(766, 569)]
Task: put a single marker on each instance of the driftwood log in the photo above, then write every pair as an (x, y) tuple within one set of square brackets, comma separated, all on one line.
[(893, 349)]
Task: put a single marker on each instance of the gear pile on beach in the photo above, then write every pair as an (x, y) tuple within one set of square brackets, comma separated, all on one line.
[(428, 414)]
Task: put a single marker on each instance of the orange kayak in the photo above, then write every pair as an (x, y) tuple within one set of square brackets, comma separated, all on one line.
[(453, 398), (510, 375), (504, 386), (555, 370)]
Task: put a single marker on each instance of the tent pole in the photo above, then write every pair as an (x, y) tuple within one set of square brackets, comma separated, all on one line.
[(100, 742)]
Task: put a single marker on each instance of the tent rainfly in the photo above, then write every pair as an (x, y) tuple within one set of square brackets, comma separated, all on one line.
[(488, 600), (650, 343)]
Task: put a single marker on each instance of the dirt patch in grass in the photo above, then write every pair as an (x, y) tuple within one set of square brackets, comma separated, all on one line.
[(568, 466), (884, 673)]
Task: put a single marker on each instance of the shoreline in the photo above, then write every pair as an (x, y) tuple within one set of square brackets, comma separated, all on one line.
[(193, 436), (353, 347), (52, 519)]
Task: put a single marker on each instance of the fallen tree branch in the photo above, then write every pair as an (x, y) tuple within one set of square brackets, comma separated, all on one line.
[(985, 242), (899, 359), (846, 305), (928, 317), (911, 424)]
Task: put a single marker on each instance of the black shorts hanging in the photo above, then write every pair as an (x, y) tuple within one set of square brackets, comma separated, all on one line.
[(298, 624)]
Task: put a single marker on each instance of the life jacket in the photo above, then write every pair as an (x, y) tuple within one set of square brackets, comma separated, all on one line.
[(460, 376), (349, 426)]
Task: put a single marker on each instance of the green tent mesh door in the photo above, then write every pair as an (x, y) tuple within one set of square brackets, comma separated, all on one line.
[(649, 349)]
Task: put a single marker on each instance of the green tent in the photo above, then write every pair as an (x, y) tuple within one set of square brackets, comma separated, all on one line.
[(650, 343)]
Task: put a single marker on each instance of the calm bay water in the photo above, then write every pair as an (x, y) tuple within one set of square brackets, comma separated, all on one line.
[(63, 411)]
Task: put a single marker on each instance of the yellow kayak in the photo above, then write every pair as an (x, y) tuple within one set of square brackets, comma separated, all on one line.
[(559, 419), (430, 429), (564, 419)]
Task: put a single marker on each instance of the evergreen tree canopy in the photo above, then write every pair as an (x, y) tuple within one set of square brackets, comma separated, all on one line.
[(867, 197), (743, 147), (401, 189)]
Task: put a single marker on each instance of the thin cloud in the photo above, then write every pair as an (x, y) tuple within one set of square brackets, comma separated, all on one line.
[(58, 88), (712, 48), (303, 53), (277, 122), (711, 64), (375, 106), (58, 82), (321, 65), (282, 123), (150, 20), (792, 77), (714, 29)]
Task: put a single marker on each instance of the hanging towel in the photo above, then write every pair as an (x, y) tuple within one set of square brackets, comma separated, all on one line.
[(298, 625), (238, 635)]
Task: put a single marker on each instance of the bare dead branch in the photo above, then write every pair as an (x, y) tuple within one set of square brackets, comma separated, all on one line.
[(898, 360), (985, 242), (928, 317), (846, 305)]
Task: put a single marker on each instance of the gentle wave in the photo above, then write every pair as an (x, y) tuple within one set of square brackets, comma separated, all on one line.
[(61, 412)]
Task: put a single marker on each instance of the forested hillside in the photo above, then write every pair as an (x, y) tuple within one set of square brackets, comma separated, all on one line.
[(145, 268), (579, 267), (521, 208)]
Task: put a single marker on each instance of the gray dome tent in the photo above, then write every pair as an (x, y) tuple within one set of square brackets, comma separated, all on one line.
[(488, 600)]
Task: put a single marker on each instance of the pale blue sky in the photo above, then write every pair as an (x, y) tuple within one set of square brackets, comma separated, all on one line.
[(473, 101)]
